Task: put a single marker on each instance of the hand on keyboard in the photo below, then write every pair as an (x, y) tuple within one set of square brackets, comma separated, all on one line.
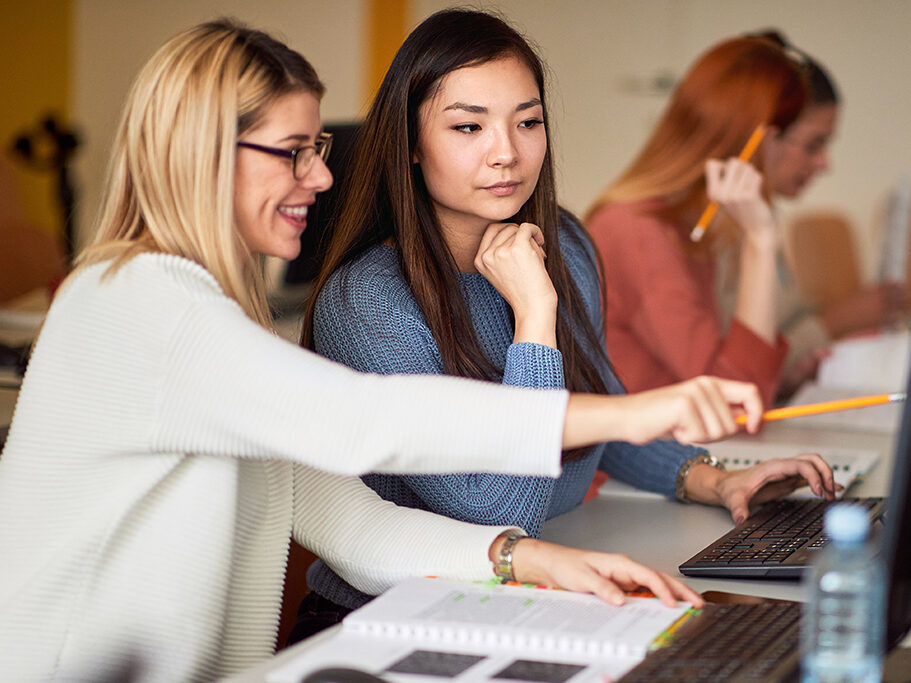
[(739, 489)]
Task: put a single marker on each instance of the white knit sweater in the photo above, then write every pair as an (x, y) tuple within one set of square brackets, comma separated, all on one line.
[(155, 471)]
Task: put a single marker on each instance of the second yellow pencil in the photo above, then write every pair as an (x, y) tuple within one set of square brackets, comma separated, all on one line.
[(826, 407), (745, 154)]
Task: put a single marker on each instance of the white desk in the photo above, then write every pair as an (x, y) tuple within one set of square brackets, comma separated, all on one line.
[(664, 533)]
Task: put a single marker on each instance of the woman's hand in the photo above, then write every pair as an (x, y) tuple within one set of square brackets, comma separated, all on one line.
[(738, 489), (607, 575), (695, 411), (511, 257), (737, 187)]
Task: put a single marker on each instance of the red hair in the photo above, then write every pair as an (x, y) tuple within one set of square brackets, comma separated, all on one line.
[(732, 88)]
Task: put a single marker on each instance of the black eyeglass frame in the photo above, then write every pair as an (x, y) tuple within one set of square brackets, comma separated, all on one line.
[(321, 147)]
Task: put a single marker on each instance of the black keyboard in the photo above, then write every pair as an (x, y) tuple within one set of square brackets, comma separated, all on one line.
[(729, 643), (777, 541)]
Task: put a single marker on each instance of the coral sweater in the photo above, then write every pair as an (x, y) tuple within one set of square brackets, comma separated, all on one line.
[(663, 323), (155, 471)]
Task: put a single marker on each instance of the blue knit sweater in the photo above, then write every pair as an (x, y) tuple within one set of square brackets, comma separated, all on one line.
[(367, 318)]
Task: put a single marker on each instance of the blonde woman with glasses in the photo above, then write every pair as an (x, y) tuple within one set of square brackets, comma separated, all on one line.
[(163, 449)]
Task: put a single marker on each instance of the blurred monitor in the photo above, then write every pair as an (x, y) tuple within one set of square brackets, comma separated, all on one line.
[(315, 238), (893, 256)]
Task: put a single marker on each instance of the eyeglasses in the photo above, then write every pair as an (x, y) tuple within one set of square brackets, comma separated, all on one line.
[(302, 157)]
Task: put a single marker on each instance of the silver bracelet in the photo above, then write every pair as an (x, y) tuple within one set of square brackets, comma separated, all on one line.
[(503, 565), (701, 459)]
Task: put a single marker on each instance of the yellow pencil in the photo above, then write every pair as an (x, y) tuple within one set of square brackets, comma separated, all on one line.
[(826, 407), (748, 150)]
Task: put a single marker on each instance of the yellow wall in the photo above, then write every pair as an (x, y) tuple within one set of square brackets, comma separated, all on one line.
[(387, 30), (35, 73)]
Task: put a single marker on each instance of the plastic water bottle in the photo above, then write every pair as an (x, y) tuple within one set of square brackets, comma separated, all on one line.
[(842, 629)]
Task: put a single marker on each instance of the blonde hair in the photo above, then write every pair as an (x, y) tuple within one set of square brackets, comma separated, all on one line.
[(170, 185), (732, 88)]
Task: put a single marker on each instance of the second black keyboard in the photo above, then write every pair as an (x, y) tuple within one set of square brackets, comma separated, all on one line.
[(777, 541)]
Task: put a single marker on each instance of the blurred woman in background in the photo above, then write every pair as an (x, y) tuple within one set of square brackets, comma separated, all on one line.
[(663, 319), (793, 161)]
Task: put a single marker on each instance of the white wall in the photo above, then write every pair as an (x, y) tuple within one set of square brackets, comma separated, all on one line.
[(114, 38), (597, 49), (599, 52)]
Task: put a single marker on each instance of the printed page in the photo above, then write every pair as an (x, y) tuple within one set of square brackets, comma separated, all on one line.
[(401, 660)]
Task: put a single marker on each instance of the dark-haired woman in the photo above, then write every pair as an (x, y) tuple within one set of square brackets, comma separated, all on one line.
[(452, 256)]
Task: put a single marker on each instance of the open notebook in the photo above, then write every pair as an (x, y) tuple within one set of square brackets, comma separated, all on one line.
[(849, 465), (433, 629)]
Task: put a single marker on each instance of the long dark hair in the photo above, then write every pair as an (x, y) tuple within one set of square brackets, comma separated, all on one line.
[(385, 197)]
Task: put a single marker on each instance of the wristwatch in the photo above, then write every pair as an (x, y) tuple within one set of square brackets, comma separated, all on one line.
[(503, 565), (701, 459)]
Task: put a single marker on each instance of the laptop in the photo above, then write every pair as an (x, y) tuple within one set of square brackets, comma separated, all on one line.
[(740, 642)]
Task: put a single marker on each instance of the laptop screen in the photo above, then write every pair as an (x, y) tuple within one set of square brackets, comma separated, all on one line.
[(897, 538)]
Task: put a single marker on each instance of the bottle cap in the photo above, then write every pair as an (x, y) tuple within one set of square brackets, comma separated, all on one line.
[(845, 523)]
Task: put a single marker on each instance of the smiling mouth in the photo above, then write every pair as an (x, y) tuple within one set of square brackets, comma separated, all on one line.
[(298, 214)]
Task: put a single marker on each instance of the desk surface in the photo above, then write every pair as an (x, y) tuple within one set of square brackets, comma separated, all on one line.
[(663, 533)]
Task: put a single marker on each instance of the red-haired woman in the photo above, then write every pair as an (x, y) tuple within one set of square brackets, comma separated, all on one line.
[(663, 323)]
